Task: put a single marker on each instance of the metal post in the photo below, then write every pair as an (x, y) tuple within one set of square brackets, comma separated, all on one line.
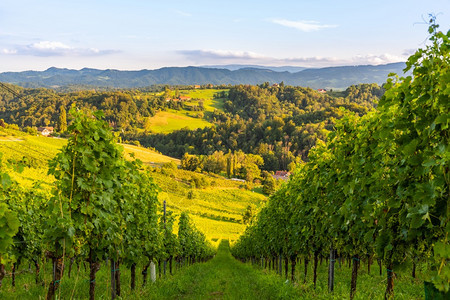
[(331, 270), (152, 271), (165, 260), (113, 280), (164, 213)]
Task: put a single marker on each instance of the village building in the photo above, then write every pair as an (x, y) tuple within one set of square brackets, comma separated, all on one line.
[(180, 98), (45, 131), (284, 175)]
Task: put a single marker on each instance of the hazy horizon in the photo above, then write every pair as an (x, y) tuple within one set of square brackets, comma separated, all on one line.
[(225, 66), (136, 35)]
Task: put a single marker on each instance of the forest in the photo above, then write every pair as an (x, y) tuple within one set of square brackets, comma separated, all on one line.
[(277, 122)]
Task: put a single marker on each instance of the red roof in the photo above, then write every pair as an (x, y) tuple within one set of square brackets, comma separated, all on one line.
[(282, 173), (49, 128)]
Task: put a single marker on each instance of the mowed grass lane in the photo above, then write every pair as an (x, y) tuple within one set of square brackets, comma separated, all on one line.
[(223, 277)]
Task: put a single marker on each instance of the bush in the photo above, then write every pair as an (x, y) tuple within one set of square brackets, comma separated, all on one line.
[(31, 130), (170, 165)]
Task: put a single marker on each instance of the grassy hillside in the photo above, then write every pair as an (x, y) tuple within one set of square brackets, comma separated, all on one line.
[(207, 97), (215, 203), (147, 156), (32, 151), (171, 120)]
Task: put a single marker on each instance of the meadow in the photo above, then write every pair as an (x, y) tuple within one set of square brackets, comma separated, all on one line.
[(210, 103), (170, 120)]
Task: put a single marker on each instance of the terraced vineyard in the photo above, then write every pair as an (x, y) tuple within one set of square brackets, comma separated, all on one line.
[(216, 207)]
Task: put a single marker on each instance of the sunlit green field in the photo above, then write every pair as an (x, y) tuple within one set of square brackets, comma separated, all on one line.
[(34, 152), (207, 97), (171, 120), (147, 156)]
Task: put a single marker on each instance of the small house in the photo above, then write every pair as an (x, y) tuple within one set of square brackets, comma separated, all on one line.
[(45, 131), (284, 175)]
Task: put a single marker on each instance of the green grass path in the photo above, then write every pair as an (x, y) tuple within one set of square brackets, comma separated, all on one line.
[(223, 277)]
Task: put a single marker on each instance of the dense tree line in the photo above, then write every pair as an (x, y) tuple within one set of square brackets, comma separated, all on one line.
[(123, 110), (278, 123), (234, 164)]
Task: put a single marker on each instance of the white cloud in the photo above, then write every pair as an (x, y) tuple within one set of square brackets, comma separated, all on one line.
[(9, 51), (52, 48), (218, 57), (220, 54), (409, 52), (228, 56), (49, 46), (381, 59), (305, 26)]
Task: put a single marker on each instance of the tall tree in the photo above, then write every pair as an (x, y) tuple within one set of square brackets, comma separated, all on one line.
[(62, 122)]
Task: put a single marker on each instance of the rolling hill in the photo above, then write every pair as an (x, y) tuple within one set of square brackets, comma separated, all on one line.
[(216, 206)]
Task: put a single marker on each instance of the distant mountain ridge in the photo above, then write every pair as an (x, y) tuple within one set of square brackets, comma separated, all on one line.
[(290, 69), (332, 77)]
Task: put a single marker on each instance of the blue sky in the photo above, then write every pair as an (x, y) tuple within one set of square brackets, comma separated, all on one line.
[(138, 34)]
